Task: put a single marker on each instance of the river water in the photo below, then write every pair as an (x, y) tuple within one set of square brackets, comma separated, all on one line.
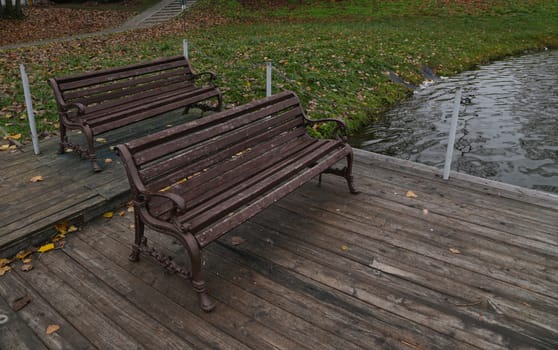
[(507, 129)]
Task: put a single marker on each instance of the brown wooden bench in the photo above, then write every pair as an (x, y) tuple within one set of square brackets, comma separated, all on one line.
[(100, 101), (198, 180)]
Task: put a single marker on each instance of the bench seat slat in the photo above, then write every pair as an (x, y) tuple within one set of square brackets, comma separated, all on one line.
[(93, 100), (168, 141), (207, 155), (118, 74), (154, 111), (257, 203), (75, 94)]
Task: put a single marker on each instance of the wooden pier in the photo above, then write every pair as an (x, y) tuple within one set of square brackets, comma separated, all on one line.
[(413, 262)]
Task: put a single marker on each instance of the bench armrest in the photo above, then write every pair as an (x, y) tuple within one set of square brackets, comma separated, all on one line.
[(179, 204), (79, 106), (212, 76), (340, 131)]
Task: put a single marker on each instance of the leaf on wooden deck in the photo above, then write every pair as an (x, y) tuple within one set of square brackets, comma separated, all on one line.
[(5, 147), (235, 240), (45, 248), (101, 140), (22, 254), (425, 211), (61, 227), (411, 194), (130, 209), (21, 302), (108, 214), (455, 251), (27, 261), (37, 178), (26, 267), (4, 262), (51, 329), (108, 160), (344, 248), (4, 269), (14, 137), (122, 213), (72, 228)]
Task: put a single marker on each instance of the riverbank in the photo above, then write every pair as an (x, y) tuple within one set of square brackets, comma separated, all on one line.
[(334, 55)]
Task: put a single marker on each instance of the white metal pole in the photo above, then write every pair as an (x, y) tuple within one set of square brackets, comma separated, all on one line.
[(185, 48), (453, 128), (268, 79), (29, 104)]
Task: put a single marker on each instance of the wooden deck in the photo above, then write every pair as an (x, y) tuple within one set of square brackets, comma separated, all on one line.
[(467, 264)]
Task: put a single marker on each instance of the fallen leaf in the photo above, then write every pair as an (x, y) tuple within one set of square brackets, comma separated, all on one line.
[(100, 140), (22, 254), (46, 248), (68, 150), (4, 262), (425, 211), (36, 178), (122, 213), (235, 240), (14, 137), (108, 214), (27, 261), (26, 267), (61, 227), (52, 328), (344, 247), (4, 147), (411, 194), (12, 147), (72, 229), (130, 209), (108, 160), (4, 269), (455, 251), (21, 302)]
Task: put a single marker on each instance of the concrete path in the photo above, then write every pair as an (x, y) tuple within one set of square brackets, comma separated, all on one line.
[(163, 11)]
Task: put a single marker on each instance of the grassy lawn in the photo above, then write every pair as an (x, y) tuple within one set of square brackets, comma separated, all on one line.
[(333, 54)]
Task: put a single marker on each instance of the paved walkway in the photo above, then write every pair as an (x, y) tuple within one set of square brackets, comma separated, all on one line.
[(163, 11)]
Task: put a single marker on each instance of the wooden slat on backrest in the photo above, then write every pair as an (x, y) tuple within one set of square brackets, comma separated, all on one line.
[(93, 78), (170, 140)]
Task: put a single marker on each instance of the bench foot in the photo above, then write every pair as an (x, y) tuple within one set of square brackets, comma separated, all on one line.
[(205, 302)]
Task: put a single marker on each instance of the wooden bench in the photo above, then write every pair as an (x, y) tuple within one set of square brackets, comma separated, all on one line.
[(97, 102), (198, 180)]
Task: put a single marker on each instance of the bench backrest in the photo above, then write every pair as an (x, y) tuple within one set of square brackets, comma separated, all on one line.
[(124, 84), (162, 159)]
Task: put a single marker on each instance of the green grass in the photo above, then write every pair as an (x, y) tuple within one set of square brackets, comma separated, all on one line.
[(334, 55)]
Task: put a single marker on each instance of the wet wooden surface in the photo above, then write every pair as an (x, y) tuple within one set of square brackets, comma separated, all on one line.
[(466, 264)]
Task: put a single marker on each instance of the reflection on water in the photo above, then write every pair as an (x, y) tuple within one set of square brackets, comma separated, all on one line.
[(507, 130)]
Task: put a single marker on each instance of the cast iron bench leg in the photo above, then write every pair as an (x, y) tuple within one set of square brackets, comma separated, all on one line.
[(198, 282)]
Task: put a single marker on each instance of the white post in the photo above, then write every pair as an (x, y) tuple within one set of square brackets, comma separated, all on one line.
[(268, 79), (29, 104), (185, 48), (453, 128)]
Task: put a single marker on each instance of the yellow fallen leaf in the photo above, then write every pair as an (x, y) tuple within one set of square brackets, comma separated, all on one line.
[(108, 160), (52, 328), (61, 227), (46, 248), (14, 137), (455, 251), (22, 254), (4, 147), (164, 189), (68, 150), (411, 194), (72, 229), (344, 247), (36, 178), (130, 209), (100, 140), (108, 214), (4, 269), (12, 147), (26, 267), (4, 262), (27, 261)]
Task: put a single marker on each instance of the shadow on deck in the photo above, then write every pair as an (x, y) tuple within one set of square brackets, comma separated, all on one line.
[(467, 264)]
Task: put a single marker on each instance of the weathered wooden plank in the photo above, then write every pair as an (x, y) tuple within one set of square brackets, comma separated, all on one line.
[(100, 330), (441, 201), (224, 289), (39, 314), (140, 326), (151, 301), (533, 321), (536, 198), (15, 334)]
